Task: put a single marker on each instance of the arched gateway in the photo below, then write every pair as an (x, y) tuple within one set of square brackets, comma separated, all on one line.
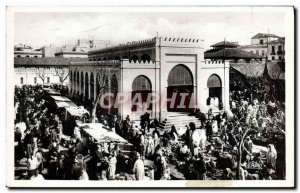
[(180, 89)]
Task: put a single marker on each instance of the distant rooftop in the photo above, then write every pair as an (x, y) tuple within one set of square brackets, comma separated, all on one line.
[(225, 44), (264, 35), (230, 53)]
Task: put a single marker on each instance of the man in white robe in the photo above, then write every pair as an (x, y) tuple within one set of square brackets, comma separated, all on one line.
[(138, 168)]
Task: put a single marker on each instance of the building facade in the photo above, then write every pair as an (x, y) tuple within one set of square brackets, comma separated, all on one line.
[(21, 50), (32, 71), (172, 70), (269, 46)]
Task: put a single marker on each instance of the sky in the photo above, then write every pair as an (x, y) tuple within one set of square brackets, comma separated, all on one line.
[(59, 28)]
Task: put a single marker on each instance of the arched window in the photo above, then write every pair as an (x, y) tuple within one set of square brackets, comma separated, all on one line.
[(214, 85), (141, 88), (141, 83), (214, 81), (71, 82), (114, 91), (78, 77), (82, 83), (145, 58), (134, 58), (86, 88), (92, 85), (71, 75), (97, 84), (180, 75), (74, 80)]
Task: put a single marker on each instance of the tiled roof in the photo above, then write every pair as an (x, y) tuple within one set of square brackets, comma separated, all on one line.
[(49, 61), (230, 53), (249, 69), (72, 52), (264, 35), (275, 72), (226, 44)]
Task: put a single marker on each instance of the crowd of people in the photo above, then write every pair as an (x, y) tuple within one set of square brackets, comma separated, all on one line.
[(247, 143)]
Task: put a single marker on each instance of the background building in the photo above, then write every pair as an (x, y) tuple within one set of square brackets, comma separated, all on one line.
[(270, 46), (21, 50), (33, 71), (78, 50)]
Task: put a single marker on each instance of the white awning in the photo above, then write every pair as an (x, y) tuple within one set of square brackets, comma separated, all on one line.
[(77, 111), (52, 91), (101, 133), (61, 98), (62, 104)]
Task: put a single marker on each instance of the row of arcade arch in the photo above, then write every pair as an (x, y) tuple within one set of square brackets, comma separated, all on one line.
[(88, 84)]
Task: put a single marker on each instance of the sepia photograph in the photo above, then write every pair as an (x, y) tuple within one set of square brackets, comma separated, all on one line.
[(154, 96)]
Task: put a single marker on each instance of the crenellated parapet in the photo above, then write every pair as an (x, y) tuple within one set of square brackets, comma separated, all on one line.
[(96, 63), (214, 62), (125, 46), (180, 42), (137, 64)]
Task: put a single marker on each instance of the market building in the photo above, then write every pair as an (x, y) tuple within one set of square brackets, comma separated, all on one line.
[(173, 70)]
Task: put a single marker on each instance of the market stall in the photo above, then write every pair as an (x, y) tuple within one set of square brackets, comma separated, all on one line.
[(51, 91), (77, 111), (104, 137), (100, 133), (65, 104), (60, 98), (72, 115)]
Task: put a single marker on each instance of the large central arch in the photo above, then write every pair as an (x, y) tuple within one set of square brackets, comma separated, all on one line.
[(180, 89)]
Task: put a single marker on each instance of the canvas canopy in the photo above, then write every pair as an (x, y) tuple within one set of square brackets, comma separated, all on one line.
[(52, 91), (100, 133), (60, 98), (77, 111), (62, 104)]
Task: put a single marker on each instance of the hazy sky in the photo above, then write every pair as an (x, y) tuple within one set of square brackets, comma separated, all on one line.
[(39, 29)]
